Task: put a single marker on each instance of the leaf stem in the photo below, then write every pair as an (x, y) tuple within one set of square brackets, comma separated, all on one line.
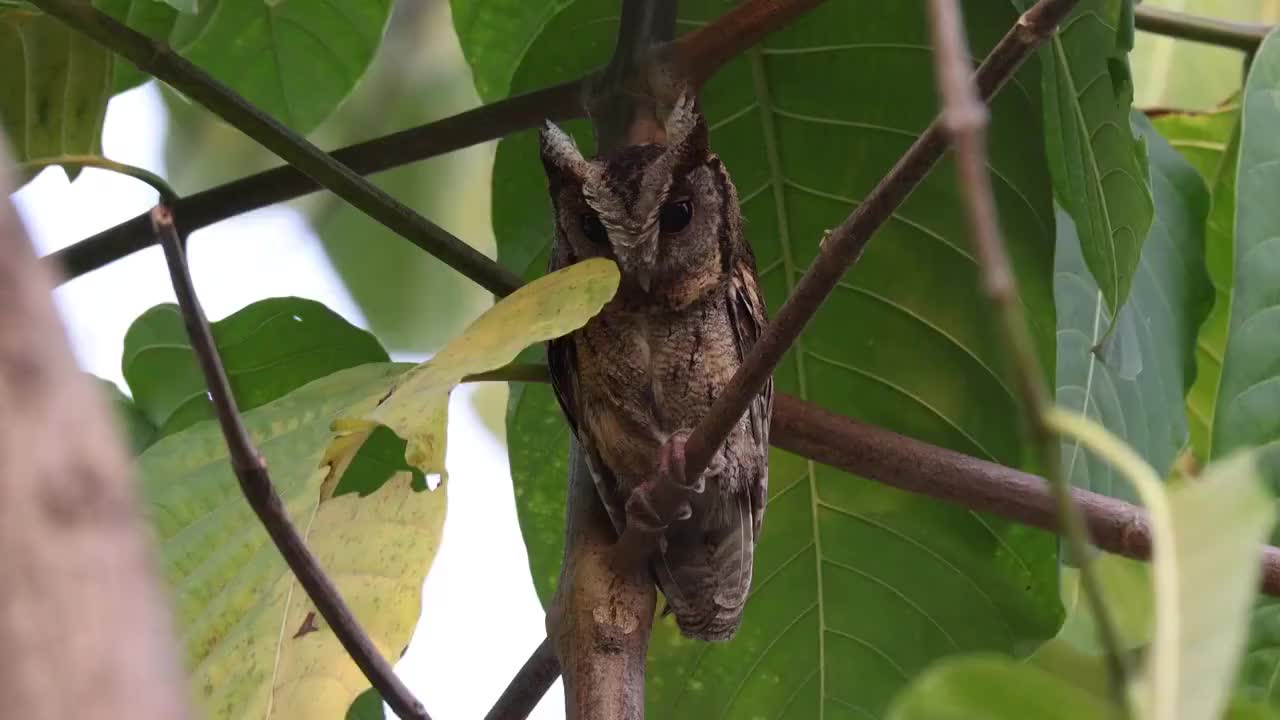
[(167, 195), (964, 119), (159, 60), (255, 482)]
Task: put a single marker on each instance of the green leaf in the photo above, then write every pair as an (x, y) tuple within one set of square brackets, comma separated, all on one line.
[(1212, 136), (417, 405), (134, 424), (55, 91), (255, 645), (296, 60), (1219, 522), (1136, 386), (494, 36), (1099, 168), (995, 688), (858, 586), (1249, 391), (268, 348), (1201, 137)]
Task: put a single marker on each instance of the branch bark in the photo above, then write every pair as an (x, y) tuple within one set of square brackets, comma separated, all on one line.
[(964, 119), (85, 625), (1212, 31), (158, 60), (528, 686), (255, 482)]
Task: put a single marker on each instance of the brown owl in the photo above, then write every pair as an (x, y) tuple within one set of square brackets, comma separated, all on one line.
[(646, 369)]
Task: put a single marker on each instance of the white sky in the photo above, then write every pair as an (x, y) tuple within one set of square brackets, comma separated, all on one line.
[(480, 616)]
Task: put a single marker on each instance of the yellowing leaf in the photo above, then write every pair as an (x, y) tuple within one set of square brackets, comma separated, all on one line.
[(417, 406), (255, 645)]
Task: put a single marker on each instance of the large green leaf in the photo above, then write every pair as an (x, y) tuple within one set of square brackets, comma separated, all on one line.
[(995, 688), (54, 95), (1136, 388), (149, 17), (255, 645), (1213, 140), (269, 348), (296, 60), (858, 586), (1099, 167), (1249, 391)]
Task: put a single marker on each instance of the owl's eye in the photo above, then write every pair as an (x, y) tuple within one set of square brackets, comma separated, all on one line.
[(675, 216), (594, 229)]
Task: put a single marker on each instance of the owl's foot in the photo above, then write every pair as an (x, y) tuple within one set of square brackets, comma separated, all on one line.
[(654, 505)]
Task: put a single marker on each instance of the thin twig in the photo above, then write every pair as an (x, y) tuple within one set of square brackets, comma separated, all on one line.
[(1212, 31), (528, 686), (255, 482), (158, 60), (845, 244), (964, 119), (284, 183)]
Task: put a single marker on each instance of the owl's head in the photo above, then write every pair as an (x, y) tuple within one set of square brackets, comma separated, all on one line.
[(666, 212)]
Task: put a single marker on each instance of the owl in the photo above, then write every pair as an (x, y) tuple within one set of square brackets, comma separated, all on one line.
[(647, 368)]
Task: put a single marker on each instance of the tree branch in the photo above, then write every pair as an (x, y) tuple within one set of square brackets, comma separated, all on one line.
[(699, 53), (845, 244), (158, 60), (1224, 33), (255, 482), (964, 119), (283, 183), (85, 624)]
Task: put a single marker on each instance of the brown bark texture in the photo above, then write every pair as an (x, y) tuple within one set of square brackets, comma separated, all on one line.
[(85, 629)]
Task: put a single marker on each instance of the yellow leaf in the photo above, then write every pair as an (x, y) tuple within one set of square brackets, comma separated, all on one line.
[(416, 408)]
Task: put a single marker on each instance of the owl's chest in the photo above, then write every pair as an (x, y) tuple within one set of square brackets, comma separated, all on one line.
[(647, 373)]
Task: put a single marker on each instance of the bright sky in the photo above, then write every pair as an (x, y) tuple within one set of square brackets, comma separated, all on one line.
[(480, 618)]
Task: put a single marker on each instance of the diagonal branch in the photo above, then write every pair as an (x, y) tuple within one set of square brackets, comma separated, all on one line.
[(255, 482), (162, 62), (1224, 33), (964, 119), (845, 244), (696, 55), (284, 183)]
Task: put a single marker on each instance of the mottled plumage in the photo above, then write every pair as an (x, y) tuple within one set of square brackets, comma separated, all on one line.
[(652, 361)]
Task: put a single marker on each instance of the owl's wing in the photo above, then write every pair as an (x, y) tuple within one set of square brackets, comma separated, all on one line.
[(562, 365), (747, 309)]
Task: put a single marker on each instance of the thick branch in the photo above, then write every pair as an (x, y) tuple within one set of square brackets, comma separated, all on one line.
[(85, 626), (964, 119), (158, 60), (845, 244), (1225, 33), (255, 482)]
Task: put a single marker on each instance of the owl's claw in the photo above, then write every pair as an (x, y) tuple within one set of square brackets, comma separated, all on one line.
[(671, 463)]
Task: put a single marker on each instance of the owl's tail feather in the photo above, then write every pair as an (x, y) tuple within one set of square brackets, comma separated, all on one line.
[(705, 572)]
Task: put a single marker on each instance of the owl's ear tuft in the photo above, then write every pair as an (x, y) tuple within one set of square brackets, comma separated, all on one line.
[(687, 132), (560, 155)]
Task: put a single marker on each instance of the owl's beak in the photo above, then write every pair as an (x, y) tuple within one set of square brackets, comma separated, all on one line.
[(638, 256), (644, 278)]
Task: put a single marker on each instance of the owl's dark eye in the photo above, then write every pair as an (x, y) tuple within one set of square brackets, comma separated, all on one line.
[(594, 229), (675, 216)]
